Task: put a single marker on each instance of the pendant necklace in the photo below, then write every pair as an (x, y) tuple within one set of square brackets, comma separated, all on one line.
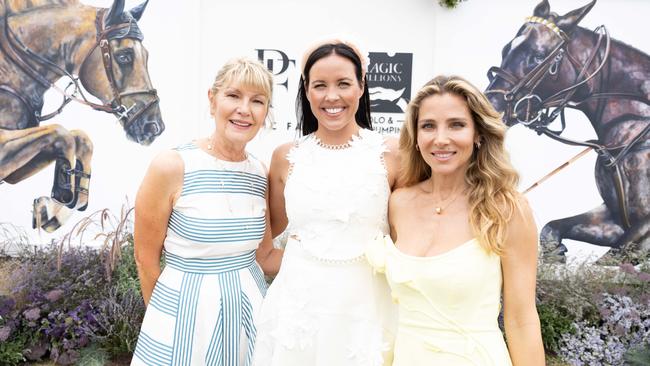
[(210, 147), (440, 207), (223, 182)]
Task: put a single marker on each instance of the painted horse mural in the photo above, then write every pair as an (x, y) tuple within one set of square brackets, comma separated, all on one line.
[(100, 49), (553, 64)]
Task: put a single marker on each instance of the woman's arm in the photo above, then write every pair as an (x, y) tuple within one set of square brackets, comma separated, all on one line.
[(395, 210), (392, 161), (153, 206), (266, 255), (277, 179), (519, 264)]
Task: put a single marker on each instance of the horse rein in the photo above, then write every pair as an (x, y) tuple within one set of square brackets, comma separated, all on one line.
[(550, 64), (560, 100), (103, 42), (11, 44)]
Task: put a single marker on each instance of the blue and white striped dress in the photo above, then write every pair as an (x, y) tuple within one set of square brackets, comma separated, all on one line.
[(203, 306)]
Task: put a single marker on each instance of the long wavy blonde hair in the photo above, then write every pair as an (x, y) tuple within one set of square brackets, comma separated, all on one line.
[(490, 176)]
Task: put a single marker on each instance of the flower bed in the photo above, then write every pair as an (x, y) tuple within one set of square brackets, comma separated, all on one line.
[(64, 306), (593, 315), (72, 304)]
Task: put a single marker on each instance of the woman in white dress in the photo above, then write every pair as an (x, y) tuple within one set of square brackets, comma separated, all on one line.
[(204, 205), (330, 191)]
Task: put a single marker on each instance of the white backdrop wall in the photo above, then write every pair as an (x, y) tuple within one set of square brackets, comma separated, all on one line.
[(188, 41)]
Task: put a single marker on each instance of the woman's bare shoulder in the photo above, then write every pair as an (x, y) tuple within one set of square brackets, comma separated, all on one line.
[(405, 195)]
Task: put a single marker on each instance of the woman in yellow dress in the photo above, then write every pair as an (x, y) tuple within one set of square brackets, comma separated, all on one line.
[(462, 237)]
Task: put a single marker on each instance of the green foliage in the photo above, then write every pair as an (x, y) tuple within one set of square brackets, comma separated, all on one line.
[(13, 239), (92, 356), (555, 321), (639, 356), (573, 289), (449, 3), (125, 275), (11, 351), (590, 312), (68, 303), (555, 361), (635, 282), (119, 321)]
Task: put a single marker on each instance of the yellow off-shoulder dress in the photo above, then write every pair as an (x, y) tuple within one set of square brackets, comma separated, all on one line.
[(448, 305)]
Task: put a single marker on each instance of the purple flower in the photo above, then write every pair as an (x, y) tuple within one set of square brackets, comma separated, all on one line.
[(643, 276), (69, 357), (6, 305), (74, 316), (83, 341), (32, 314), (605, 312), (54, 295), (36, 350), (5, 332), (628, 268)]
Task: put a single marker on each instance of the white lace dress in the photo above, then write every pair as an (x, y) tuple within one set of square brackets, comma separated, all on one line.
[(326, 307)]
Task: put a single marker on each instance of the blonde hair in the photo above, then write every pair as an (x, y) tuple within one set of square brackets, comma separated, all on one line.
[(246, 72), (493, 196)]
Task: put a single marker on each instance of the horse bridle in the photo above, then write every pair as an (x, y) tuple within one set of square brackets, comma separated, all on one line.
[(542, 117), (551, 65), (14, 47)]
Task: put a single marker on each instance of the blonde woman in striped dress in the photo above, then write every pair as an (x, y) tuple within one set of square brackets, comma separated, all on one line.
[(203, 205)]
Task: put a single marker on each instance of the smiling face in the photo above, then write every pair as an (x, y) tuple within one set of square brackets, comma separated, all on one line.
[(446, 134), (239, 111), (333, 93)]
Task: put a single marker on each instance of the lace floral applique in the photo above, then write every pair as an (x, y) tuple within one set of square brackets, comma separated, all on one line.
[(369, 349), (296, 326)]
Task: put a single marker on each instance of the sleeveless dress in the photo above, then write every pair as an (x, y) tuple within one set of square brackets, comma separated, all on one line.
[(204, 303), (326, 307), (448, 305)]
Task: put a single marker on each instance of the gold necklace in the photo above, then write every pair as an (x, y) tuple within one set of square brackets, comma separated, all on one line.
[(217, 154), (246, 168), (222, 182), (439, 207)]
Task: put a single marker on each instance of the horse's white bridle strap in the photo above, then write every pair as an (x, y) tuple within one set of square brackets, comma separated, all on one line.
[(550, 25)]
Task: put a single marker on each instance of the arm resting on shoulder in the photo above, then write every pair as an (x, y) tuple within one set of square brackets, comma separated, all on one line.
[(277, 179), (392, 162), (268, 257)]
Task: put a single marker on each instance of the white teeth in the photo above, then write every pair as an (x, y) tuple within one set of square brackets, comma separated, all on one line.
[(240, 123), (443, 155), (333, 110)]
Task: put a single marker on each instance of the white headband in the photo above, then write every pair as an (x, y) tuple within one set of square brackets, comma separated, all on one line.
[(336, 40)]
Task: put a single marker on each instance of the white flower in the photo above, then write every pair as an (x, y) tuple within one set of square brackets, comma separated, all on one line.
[(369, 349)]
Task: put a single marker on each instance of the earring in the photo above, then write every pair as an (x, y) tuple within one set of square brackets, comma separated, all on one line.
[(417, 147), (478, 144)]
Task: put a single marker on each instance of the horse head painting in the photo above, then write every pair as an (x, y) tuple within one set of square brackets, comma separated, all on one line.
[(42, 41), (552, 64)]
